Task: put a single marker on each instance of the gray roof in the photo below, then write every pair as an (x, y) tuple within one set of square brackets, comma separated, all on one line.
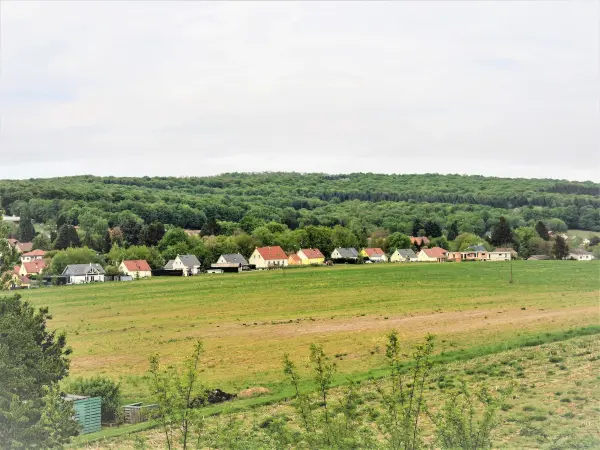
[(476, 248), (538, 257), (189, 260), (169, 264), (234, 258), (347, 252), (406, 252), (82, 269), (579, 251)]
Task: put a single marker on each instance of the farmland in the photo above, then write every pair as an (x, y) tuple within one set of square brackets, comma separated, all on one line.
[(248, 321)]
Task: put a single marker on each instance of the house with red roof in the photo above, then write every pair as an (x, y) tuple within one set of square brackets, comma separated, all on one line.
[(419, 241), (32, 256), (435, 254), (268, 257), (35, 267), (136, 268), (294, 260), (20, 247), (311, 256), (374, 255)]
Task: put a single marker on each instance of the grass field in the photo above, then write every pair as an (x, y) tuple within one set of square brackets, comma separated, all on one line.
[(248, 321), (584, 234)]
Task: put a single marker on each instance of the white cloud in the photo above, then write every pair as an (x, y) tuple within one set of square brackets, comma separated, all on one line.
[(198, 88)]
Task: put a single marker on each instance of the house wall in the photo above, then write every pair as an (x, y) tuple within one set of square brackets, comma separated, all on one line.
[(422, 256), (581, 257), (260, 263), (89, 278), (177, 264), (136, 273), (499, 256)]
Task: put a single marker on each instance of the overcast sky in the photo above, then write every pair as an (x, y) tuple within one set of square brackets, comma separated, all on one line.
[(201, 88)]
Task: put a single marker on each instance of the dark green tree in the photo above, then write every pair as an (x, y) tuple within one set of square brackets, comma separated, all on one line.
[(106, 242), (432, 229), (131, 229), (397, 240), (541, 229), (67, 237), (26, 232), (453, 231), (501, 233), (560, 250), (417, 225), (151, 234), (32, 362)]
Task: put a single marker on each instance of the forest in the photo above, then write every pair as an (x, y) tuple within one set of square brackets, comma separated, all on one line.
[(145, 218)]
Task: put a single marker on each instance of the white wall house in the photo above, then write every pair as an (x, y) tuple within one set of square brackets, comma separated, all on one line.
[(499, 256), (268, 257), (84, 273), (580, 255), (135, 268), (188, 263), (404, 255)]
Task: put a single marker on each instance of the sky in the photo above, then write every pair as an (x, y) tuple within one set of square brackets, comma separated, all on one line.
[(201, 88)]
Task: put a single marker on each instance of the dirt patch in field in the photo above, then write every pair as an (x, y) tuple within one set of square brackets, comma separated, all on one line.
[(253, 392)]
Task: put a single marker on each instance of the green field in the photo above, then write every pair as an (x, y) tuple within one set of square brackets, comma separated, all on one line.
[(248, 321)]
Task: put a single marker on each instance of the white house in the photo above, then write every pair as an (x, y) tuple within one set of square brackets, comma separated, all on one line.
[(347, 253), (404, 255), (268, 257), (33, 255), (499, 256), (580, 255), (435, 254), (188, 263), (84, 273), (136, 268)]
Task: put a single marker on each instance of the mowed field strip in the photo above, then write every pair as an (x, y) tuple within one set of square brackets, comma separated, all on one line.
[(248, 321)]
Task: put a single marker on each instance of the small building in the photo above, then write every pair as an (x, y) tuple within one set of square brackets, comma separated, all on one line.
[(580, 255), (188, 263), (499, 256), (33, 255), (32, 268), (11, 219), (344, 254), (294, 260), (230, 262), (419, 241), (435, 254), (538, 258), (88, 412), (268, 257), (84, 273), (136, 268), (513, 252), (404, 255), (375, 255), (311, 256), (20, 247)]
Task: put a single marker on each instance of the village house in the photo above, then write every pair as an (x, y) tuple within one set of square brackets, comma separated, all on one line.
[(32, 256), (404, 255), (20, 247), (435, 254), (84, 273), (375, 255), (32, 268), (419, 241), (311, 256), (268, 257), (497, 255), (230, 262), (135, 268), (294, 260), (344, 253), (188, 263), (580, 255), (538, 258), (512, 251)]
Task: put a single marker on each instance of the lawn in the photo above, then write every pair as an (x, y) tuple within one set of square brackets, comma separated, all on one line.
[(248, 321)]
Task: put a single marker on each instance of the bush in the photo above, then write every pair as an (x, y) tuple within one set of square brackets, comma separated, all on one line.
[(106, 388)]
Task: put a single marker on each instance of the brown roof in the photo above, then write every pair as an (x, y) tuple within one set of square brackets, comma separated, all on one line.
[(137, 265), (35, 266), (312, 253), (435, 252), (270, 253), (24, 246), (16, 269), (504, 249), (294, 257), (418, 240), (35, 253), (373, 252)]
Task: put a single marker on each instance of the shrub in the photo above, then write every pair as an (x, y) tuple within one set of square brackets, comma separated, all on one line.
[(109, 390)]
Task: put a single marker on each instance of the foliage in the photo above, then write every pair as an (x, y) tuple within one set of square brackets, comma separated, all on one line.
[(542, 231), (41, 242), (82, 255), (501, 233), (99, 386), (67, 237), (26, 231), (457, 425), (151, 254), (32, 362), (397, 241), (560, 249), (173, 392)]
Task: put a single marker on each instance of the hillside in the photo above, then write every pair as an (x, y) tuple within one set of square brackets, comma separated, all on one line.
[(362, 201)]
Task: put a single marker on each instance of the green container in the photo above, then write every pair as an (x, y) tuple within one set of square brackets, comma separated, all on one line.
[(87, 412)]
